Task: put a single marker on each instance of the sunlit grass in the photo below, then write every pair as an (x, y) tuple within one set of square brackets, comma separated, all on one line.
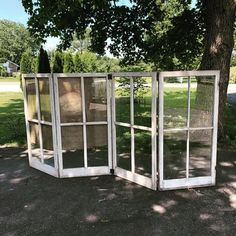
[(12, 124), (9, 79)]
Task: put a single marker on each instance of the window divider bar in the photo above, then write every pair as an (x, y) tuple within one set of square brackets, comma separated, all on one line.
[(113, 99), (53, 123), (161, 130), (154, 132), (58, 127), (134, 126), (27, 119), (215, 125), (188, 126), (39, 118), (109, 119), (132, 123), (84, 123)]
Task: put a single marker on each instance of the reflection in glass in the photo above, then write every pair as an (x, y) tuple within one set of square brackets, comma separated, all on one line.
[(31, 98), (97, 148), (143, 152), (34, 141), (95, 99), (72, 146), (202, 99), (48, 153), (200, 153), (122, 99), (44, 98), (70, 99), (123, 147), (175, 154), (142, 101), (175, 102)]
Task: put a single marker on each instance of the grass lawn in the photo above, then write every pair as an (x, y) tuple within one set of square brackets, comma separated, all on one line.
[(12, 124), (9, 79)]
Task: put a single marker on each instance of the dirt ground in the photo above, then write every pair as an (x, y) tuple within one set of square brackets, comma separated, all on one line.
[(34, 203)]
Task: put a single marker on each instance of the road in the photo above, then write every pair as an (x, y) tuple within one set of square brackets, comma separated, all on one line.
[(10, 87)]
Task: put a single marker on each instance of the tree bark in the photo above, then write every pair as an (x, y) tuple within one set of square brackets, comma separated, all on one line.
[(219, 19)]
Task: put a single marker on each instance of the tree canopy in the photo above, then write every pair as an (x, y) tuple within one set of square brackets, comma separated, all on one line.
[(168, 34), (172, 34), (14, 40)]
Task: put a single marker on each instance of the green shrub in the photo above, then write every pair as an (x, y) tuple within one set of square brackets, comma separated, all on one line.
[(3, 71), (43, 62), (78, 67), (25, 62), (68, 66), (85, 62), (57, 64), (34, 65)]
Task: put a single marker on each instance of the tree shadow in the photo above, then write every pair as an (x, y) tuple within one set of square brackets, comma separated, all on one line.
[(34, 203)]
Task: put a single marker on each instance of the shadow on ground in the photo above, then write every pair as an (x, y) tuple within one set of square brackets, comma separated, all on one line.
[(34, 203)]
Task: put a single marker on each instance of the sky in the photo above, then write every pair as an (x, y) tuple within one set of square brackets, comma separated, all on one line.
[(13, 10)]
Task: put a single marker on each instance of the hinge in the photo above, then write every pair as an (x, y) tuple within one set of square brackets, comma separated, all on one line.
[(112, 171), (109, 76)]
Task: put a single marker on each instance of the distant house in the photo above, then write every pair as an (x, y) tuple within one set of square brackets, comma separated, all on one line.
[(11, 67)]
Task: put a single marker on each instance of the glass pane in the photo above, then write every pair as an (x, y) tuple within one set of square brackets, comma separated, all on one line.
[(34, 141), (44, 96), (200, 153), (95, 99), (72, 146), (142, 101), (122, 99), (202, 100), (31, 98), (143, 152), (175, 102), (175, 155), (97, 148), (48, 153), (70, 99), (123, 147)]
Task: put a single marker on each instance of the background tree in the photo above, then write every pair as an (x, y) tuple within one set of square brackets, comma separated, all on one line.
[(85, 62), (43, 61), (57, 62), (81, 43), (14, 40), (68, 66), (26, 61), (107, 64)]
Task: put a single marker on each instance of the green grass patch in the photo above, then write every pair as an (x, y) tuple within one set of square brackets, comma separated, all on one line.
[(12, 123), (230, 126), (9, 79)]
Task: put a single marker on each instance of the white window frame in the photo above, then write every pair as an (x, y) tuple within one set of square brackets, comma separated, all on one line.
[(33, 162), (188, 181), (86, 170), (123, 173)]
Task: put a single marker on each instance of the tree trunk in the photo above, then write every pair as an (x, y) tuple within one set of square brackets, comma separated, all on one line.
[(219, 18)]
